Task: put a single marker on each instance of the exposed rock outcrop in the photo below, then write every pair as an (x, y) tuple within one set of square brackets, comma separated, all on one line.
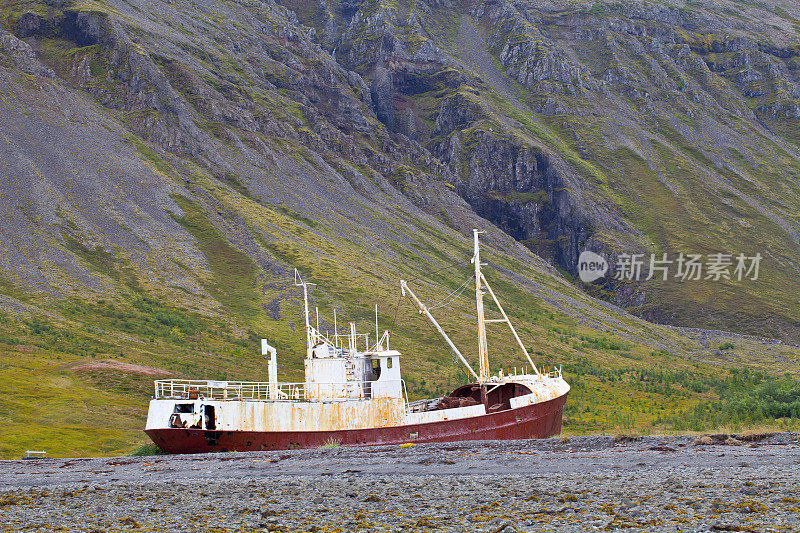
[(514, 185), (23, 56)]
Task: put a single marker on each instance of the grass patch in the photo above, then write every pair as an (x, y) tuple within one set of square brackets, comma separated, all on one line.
[(105, 263), (146, 450), (294, 215), (331, 443), (233, 273), (235, 182), (150, 155)]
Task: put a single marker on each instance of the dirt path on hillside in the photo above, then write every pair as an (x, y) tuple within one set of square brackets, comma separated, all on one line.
[(119, 366)]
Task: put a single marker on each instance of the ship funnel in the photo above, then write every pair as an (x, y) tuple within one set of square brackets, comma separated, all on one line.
[(272, 368)]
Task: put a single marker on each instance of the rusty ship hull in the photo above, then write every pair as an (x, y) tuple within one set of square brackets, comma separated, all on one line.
[(539, 420), (354, 395)]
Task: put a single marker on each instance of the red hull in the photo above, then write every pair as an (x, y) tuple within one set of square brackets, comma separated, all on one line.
[(530, 422)]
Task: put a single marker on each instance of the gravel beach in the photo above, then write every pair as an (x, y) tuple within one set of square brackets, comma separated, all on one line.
[(719, 483)]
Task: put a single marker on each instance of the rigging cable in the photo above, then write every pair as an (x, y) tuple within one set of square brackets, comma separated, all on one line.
[(448, 267), (460, 263), (450, 298)]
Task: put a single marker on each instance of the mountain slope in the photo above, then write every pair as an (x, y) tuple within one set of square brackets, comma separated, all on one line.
[(644, 129), (654, 129)]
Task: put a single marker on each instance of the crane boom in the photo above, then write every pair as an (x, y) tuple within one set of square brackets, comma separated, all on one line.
[(424, 310)]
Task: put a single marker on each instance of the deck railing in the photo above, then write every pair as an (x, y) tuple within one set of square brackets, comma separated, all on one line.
[(185, 389)]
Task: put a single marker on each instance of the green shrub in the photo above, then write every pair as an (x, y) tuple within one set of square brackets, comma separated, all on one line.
[(745, 398), (146, 450), (37, 326)]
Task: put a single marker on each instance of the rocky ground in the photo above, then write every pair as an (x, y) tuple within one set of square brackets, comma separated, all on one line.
[(718, 483)]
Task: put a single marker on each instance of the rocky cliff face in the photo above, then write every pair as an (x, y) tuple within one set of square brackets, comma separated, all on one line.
[(513, 184), (638, 127)]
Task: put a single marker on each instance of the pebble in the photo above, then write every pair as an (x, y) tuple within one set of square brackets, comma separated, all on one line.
[(486, 487)]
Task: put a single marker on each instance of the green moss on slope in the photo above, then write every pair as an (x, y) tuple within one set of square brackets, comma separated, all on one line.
[(233, 273)]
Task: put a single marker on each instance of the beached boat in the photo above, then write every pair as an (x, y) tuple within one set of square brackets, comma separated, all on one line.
[(354, 394)]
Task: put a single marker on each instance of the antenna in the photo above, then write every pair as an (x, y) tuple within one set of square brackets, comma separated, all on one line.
[(335, 329), (298, 281), (377, 337), (353, 339)]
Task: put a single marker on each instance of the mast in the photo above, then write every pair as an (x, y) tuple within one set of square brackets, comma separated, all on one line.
[(510, 325), (298, 281), (483, 349), (480, 282), (404, 287)]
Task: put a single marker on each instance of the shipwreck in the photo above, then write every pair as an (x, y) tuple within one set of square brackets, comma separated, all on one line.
[(354, 394)]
